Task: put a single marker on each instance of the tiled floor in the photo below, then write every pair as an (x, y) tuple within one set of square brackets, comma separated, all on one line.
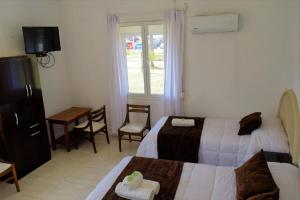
[(70, 175)]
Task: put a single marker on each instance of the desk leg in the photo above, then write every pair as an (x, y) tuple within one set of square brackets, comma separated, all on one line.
[(52, 136), (75, 135), (67, 138)]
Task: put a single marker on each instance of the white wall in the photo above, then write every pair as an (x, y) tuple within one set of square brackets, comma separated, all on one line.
[(236, 73), (85, 41), (17, 13)]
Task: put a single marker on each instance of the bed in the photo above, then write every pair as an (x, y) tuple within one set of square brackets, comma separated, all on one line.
[(220, 145), (207, 182)]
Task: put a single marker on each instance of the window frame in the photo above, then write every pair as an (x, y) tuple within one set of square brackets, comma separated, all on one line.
[(145, 67)]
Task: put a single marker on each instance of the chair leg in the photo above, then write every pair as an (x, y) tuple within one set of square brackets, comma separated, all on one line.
[(120, 145), (15, 178), (106, 134), (93, 142), (130, 140)]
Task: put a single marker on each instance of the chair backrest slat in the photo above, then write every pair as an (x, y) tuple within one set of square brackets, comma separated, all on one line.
[(131, 108), (99, 115), (138, 110), (96, 116)]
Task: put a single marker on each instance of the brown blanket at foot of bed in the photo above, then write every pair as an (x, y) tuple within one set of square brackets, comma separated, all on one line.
[(166, 172), (180, 143)]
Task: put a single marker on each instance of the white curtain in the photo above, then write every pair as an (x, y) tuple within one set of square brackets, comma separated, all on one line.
[(173, 101), (117, 74)]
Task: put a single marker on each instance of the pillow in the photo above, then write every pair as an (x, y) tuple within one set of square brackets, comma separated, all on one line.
[(249, 123), (254, 180)]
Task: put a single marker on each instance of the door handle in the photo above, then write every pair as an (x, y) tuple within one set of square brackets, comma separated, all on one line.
[(34, 125), (27, 92), (35, 133), (17, 119), (30, 89)]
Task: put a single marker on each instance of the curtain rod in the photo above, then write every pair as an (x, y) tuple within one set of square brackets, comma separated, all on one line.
[(183, 7)]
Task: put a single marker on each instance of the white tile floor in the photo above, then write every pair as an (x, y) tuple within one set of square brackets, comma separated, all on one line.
[(70, 175)]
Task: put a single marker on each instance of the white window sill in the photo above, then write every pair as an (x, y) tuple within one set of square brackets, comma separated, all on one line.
[(145, 97)]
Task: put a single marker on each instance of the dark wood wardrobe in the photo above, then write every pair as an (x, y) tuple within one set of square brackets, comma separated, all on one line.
[(23, 131)]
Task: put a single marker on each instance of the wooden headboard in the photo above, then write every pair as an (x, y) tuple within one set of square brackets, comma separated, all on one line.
[(289, 114)]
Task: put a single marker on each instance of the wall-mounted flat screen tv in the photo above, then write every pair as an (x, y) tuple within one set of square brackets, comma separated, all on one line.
[(41, 40)]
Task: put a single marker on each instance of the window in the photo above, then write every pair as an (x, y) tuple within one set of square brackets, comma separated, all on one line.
[(144, 46)]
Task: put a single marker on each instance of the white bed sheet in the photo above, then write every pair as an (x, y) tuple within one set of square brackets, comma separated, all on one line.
[(206, 182), (221, 145)]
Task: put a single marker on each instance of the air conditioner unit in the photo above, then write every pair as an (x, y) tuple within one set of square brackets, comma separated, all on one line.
[(215, 23)]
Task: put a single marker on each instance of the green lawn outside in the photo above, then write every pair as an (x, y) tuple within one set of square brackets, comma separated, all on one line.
[(135, 72)]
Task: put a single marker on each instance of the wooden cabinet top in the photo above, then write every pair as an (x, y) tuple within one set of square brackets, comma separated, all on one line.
[(69, 115)]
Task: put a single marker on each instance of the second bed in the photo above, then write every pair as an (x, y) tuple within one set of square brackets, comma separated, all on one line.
[(221, 145)]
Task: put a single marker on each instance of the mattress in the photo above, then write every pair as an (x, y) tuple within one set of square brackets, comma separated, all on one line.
[(221, 145), (207, 182)]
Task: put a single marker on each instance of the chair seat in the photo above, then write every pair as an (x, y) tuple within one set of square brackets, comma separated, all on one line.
[(81, 125), (96, 126), (133, 127), (4, 166)]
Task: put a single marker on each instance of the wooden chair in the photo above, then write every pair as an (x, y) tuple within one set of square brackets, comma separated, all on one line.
[(133, 128), (96, 123), (7, 169)]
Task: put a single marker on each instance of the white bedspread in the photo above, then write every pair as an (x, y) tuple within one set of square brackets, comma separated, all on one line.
[(221, 145), (206, 182)]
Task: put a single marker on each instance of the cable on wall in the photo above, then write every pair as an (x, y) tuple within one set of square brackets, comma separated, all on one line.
[(47, 61)]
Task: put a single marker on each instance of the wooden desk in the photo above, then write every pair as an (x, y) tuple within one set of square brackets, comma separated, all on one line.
[(66, 117)]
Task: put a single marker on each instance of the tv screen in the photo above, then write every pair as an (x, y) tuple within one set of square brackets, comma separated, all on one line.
[(40, 40)]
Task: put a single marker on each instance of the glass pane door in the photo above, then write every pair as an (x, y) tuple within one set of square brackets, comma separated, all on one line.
[(133, 41), (156, 58)]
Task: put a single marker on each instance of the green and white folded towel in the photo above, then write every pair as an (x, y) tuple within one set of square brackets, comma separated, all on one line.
[(134, 187), (133, 181)]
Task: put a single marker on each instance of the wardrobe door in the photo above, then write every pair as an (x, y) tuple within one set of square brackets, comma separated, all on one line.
[(13, 135), (3, 154), (35, 120), (3, 151), (34, 86), (13, 85)]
